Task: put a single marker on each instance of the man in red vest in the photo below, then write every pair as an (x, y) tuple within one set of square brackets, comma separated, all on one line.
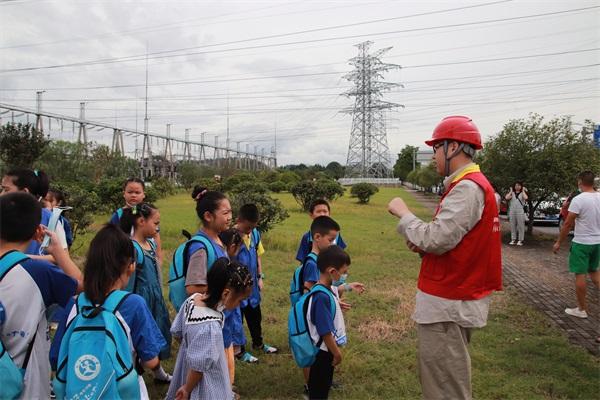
[(461, 262)]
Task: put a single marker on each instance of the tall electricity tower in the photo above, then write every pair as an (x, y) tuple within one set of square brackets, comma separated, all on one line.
[(368, 151)]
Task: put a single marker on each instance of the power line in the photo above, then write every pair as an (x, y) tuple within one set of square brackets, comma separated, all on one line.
[(179, 83), (137, 57)]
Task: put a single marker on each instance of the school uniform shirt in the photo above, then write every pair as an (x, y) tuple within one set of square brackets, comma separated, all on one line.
[(320, 320), (587, 224), (146, 338), (25, 293), (310, 273), (201, 350), (248, 256), (306, 245)]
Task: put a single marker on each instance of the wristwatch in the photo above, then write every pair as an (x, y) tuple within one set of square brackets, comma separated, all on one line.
[(261, 276)]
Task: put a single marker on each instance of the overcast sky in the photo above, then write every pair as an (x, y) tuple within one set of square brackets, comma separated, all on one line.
[(281, 65)]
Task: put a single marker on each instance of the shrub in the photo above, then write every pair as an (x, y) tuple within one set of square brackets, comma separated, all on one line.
[(307, 192), (271, 210), (363, 191), (277, 186)]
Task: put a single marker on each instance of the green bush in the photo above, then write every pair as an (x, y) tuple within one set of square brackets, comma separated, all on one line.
[(271, 210), (210, 184), (232, 181), (162, 187), (277, 186), (306, 192), (84, 203), (363, 191)]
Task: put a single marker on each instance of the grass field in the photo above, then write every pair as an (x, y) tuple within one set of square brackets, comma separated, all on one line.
[(519, 355)]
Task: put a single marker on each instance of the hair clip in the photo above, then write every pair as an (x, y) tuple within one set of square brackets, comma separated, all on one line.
[(134, 210), (36, 173), (201, 194)]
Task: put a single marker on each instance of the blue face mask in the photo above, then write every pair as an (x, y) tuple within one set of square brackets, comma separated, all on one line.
[(341, 281)]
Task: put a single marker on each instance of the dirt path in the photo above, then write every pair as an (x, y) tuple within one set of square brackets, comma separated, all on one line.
[(543, 279)]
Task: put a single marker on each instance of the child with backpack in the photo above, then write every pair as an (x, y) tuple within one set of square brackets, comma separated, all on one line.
[(107, 329), (318, 208), (324, 230), (316, 323), (201, 368), (36, 183), (134, 193), (142, 222), (27, 288), (250, 255)]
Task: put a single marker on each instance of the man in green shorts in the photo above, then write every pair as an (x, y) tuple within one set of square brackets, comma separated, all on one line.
[(584, 258)]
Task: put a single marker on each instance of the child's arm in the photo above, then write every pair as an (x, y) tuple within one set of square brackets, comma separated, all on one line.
[(333, 348), (259, 272), (193, 378), (63, 260), (348, 287)]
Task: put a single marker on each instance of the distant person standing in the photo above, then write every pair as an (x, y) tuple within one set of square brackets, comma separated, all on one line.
[(517, 198), (584, 258)]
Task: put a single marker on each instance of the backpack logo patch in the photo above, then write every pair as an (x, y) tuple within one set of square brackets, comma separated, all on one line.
[(87, 367)]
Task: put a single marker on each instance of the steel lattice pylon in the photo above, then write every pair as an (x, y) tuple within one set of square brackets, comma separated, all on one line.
[(368, 151)]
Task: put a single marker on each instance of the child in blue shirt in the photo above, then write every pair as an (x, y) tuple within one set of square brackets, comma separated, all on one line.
[(142, 222), (133, 193), (28, 289), (250, 255), (324, 230), (318, 208), (327, 329), (109, 265), (56, 198)]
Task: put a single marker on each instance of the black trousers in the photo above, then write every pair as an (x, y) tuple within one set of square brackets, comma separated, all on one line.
[(253, 318), (321, 375)]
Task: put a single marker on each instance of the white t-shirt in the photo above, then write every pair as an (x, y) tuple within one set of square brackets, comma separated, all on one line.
[(587, 224)]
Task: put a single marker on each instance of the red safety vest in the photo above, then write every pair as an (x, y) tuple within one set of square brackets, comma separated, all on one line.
[(473, 269)]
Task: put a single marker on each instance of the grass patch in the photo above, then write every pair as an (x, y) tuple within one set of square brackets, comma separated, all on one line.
[(519, 355)]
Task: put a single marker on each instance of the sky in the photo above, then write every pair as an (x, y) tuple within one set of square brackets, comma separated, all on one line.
[(276, 69)]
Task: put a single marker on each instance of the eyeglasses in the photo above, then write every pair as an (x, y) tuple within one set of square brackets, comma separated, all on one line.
[(437, 146)]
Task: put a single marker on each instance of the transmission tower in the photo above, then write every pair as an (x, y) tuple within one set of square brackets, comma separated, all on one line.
[(368, 151)]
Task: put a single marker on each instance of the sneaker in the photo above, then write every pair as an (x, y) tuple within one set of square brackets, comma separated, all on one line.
[(268, 349), (520, 243), (336, 385), (513, 242), (305, 393), (165, 381), (576, 312), (247, 358)]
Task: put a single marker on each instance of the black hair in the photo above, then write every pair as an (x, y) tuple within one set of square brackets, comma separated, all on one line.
[(333, 256), (226, 274), (58, 195), (587, 178), (230, 237), (249, 212), (515, 184), (323, 225), (20, 215), (134, 180), (319, 202), (132, 214), (206, 200), (111, 252), (36, 182)]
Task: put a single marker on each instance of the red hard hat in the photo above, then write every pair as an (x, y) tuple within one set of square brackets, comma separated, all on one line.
[(458, 128)]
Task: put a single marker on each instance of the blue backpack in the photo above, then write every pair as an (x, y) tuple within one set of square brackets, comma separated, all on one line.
[(303, 348), (297, 283), (95, 359), (11, 376), (179, 266), (139, 263)]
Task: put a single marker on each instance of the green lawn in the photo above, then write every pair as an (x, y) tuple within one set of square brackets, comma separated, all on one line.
[(519, 355)]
